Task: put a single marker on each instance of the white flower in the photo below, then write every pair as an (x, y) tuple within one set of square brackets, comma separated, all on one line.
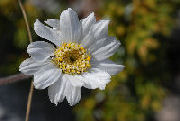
[(79, 56)]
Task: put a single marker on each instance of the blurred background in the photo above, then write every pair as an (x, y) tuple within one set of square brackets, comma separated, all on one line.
[(147, 90)]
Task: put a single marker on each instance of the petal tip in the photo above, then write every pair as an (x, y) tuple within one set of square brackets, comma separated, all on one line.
[(69, 9), (36, 22), (91, 14)]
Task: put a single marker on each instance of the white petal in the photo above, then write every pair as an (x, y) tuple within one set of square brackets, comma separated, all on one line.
[(100, 29), (75, 80), (55, 23), (95, 80), (70, 26), (46, 76), (72, 92), (110, 67), (40, 50), (30, 67), (56, 91), (97, 31), (69, 87), (100, 43), (88, 40), (87, 23), (47, 33), (107, 50)]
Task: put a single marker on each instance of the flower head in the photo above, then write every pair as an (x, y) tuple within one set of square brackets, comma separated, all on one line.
[(78, 56), (72, 58)]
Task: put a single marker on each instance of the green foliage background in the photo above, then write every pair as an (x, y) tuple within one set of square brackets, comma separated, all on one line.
[(142, 26)]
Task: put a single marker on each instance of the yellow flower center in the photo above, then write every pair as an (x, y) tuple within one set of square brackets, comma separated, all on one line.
[(72, 58)]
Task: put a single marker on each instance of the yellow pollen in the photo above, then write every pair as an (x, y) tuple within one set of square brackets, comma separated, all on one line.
[(72, 58), (88, 58)]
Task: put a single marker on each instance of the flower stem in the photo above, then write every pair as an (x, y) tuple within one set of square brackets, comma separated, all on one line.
[(29, 101), (25, 19), (30, 39)]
